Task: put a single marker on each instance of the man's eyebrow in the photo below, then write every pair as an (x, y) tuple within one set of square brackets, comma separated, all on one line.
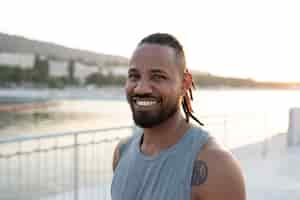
[(132, 70)]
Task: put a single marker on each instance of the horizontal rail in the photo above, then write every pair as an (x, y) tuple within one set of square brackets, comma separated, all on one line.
[(54, 135)]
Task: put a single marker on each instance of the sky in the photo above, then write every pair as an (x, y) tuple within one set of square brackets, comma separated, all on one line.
[(258, 39)]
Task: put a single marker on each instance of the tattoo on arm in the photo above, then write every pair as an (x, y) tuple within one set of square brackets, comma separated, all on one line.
[(200, 173)]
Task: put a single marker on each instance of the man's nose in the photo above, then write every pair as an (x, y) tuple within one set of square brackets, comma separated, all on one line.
[(143, 87)]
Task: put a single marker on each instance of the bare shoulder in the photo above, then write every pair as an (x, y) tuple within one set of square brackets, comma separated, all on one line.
[(217, 175), (116, 154)]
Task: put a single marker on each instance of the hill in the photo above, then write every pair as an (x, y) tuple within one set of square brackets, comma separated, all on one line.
[(18, 44), (209, 80)]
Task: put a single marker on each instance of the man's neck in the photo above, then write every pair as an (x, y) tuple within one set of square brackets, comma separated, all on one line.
[(164, 135)]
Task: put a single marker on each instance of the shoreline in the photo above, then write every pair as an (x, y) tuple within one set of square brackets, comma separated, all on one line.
[(121, 87), (20, 107)]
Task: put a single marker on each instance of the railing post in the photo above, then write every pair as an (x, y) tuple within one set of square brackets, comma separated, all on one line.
[(293, 135), (19, 170), (225, 136), (265, 147), (76, 166)]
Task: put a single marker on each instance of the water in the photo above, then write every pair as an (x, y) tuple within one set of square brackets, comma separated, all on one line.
[(236, 116)]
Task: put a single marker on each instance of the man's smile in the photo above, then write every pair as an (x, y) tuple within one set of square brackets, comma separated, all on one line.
[(145, 103)]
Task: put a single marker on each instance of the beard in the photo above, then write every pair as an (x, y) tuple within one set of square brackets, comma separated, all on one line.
[(149, 119)]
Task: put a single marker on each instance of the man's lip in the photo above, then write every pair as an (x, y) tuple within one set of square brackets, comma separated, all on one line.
[(145, 99)]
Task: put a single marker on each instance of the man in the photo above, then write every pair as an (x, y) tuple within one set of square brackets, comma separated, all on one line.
[(172, 159)]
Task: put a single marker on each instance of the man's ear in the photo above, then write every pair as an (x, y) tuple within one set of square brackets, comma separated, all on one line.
[(187, 81)]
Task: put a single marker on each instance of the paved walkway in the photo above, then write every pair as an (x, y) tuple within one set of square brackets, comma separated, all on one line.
[(271, 170)]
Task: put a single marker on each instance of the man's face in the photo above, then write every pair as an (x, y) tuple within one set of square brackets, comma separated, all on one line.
[(154, 85)]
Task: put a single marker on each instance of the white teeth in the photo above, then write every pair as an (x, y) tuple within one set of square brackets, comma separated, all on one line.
[(145, 103)]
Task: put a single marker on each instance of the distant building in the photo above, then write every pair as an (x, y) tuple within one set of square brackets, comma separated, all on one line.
[(53, 67), (115, 70), (25, 61), (58, 68), (82, 71)]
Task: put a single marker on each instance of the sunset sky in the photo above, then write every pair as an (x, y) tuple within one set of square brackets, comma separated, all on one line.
[(259, 39)]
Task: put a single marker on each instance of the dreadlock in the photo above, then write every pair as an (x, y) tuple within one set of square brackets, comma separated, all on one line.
[(170, 41)]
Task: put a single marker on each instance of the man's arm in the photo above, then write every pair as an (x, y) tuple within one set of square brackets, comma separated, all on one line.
[(116, 154), (116, 157), (217, 175)]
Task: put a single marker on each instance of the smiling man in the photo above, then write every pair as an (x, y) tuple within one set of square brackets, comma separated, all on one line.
[(171, 159)]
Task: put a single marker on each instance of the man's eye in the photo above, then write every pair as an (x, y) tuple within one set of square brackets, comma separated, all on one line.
[(158, 77), (133, 76)]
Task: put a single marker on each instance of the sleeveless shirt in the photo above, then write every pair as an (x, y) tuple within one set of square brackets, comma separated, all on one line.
[(165, 176)]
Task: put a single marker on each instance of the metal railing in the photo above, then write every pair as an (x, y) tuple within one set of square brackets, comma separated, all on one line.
[(77, 165), (73, 165)]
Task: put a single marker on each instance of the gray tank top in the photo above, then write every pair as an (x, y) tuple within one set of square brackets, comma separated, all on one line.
[(166, 176)]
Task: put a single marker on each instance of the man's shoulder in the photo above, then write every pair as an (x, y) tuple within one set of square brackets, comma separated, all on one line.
[(118, 150), (217, 174), (216, 154)]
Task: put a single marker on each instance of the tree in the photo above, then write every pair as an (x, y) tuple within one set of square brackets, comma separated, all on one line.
[(71, 69), (41, 70)]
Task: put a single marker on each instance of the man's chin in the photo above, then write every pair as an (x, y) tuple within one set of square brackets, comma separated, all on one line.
[(145, 123), (150, 119)]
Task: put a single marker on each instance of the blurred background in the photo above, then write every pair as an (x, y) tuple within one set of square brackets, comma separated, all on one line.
[(63, 65)]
